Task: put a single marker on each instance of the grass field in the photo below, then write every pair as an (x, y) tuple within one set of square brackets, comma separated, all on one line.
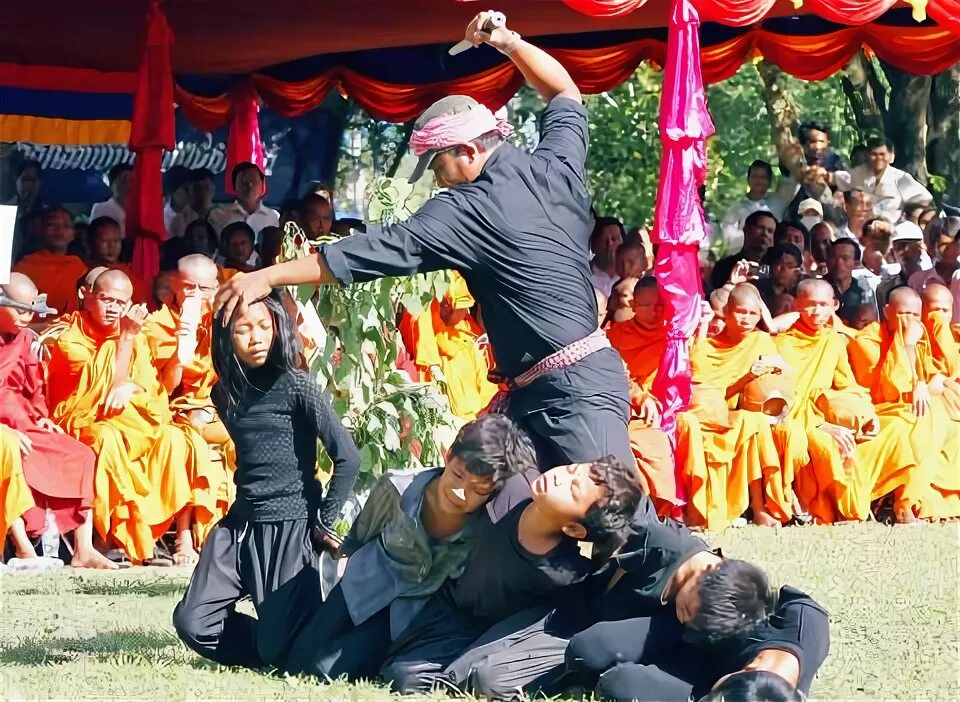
[(893, 595)]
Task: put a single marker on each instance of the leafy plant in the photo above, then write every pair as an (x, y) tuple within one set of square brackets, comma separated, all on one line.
[(391, 418)]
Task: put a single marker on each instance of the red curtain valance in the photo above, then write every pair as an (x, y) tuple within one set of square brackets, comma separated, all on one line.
[(917, 49)]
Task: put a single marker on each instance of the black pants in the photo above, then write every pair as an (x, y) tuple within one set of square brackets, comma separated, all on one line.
[(577, 414), (329, 645), (523, 653), (260, 560)]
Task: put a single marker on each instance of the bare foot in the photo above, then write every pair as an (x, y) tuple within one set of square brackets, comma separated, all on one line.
[(92, 559), (907, 517), (764, 519), (185, 554), (24, 555)]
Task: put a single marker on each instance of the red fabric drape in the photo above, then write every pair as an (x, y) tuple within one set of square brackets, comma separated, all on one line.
[(679, 226), (946, 13), (152, 130), (243, 141), (605, 8)]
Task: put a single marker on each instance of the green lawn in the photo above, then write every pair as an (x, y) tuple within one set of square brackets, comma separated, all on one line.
[(893, 594)]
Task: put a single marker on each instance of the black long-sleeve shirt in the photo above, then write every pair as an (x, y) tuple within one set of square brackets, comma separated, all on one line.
[(275, 428)]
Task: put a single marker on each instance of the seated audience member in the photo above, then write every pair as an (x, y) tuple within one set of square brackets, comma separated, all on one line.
[(237, 244), (943, 242), (631, 260), (810, 213), (179, 338), (863, 317), (176, 185), (162, 289), (201, 237), (52, 269), (200, 190), (57, 468), (849, 452), (792, 233), (758, 231), (821, 237), (844, 257), (104, 390), (106, 241), (938, 307), (415, 531), (786, 266), (315, 215), (520, 561), (758, 198), (906, 245), (250, 185), (116, 207), (806, 167), (620, 302), (605, 240)]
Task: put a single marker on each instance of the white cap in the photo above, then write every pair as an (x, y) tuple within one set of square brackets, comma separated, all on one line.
[(906, 231), (810, 204)]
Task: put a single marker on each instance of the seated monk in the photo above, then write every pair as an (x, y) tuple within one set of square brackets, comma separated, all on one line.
[(849, 453), (937, 314), (641, 341), (105, 391), (443, 339), (106, 241), (58, 468), (895, 361), (52, 269), (727, 455), (179, 337)]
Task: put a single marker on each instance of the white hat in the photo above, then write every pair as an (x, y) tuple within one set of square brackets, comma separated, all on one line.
[(810, 204), (906, 231)]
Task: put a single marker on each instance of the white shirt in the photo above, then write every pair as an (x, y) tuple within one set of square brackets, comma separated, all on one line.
[(112, 209), (602, 281), (892, 190), (918, 281), (262, 217), (732, 225)]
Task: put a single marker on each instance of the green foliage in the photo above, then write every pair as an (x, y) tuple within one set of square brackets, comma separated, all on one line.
[(358, 346)]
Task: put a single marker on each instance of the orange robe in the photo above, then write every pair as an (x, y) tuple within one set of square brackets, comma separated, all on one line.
[(453, 348), (59, 469), (147, 468), (719, 461), (641, 350), (880, 363), (829, 488), (943, 344), (193, 393), (15, 497), (56, 275)]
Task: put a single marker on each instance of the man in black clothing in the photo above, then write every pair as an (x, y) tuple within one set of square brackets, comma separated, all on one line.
[(517, 227), (757, 238)]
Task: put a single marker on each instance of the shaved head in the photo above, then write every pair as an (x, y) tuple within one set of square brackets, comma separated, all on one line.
[(90, 277), (816, 303), (903, 308), (904, 296), (197, 276), (20, 289), (198, 264), (814, 286), (109, 299), (718, 299), (937, 298), (743, 311), (114, 280), (744, 294)]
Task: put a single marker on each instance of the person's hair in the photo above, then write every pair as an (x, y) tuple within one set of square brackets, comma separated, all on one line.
[(754, 216), (117, 171), (778, 251), (93, 229), (849, 195), (208, 229), (847, 241), (735, 597), (647, 281), (949, 226), (284, 357), (602, 223), (233, 228), (27, 164), (198, 174), (621, 497), (803, 131), (172, 250), (54, 209), (858, 149), (879, 142), (754, 686), (913, 208), (242, 168), (779, 234), (487, 142), (175, 178), (763, 166), (494, 447)]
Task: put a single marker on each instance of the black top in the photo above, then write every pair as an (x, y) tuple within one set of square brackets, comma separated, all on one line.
[(275, 429), (501, 577), (519, 234)]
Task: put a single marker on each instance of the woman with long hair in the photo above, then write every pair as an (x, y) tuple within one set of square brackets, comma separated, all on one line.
[(281, 519)]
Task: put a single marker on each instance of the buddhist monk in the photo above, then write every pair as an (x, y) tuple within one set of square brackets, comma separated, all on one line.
[(162, 293), (895, 361), (15, 497), (105, 242), (849, 452), (724, 454), (58, 468), (641, 341), (52, 269), (179, 338), (105, 391), (937, 314)]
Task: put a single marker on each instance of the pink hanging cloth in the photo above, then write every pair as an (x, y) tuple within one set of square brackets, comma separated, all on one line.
[(243, 139), (680, 229)]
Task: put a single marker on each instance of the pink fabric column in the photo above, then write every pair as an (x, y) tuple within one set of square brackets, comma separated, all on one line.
[(243, 139), (685, 125)]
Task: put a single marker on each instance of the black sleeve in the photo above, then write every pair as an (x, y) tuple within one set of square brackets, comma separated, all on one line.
[(338, 444), (564, 134), (425, 242)]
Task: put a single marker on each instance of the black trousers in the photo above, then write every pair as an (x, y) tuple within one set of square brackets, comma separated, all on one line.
[(522, 654), (259, 560)]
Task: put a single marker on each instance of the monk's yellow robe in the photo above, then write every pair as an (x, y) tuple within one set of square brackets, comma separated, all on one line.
[(641, 350), (828, 487), (880, 362), (147, 467), (15, 496), (193, 395), (718, 457), (943, 343), (56, 275), (452, 346)]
